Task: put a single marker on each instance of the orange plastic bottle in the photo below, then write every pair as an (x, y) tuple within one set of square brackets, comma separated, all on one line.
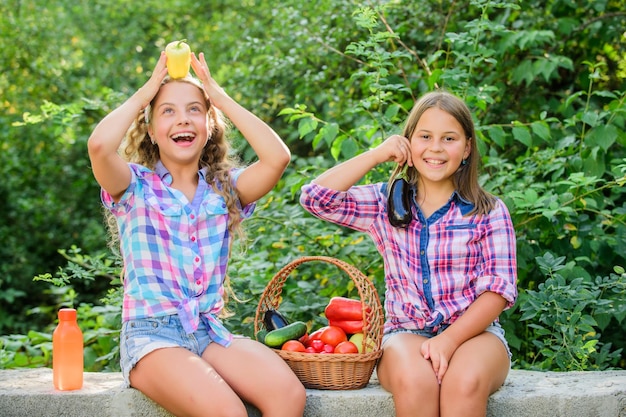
[(67, 352)]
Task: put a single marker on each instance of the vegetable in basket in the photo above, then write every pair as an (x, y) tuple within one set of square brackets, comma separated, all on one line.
[(274, 320), (346, 313), (293, 331)]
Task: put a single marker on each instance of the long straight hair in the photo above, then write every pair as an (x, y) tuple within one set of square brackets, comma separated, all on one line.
[(465, 179)]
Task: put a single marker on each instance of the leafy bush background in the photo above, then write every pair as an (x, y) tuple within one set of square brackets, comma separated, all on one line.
[(546, 82)]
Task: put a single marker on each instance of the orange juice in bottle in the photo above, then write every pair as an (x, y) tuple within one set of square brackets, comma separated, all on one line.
[(67, 352)]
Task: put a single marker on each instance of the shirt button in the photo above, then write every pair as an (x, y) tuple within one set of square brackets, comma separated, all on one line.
[(421, 252), (425, 281), (197, 259), (192, 217), (193, 238), (198, 282)]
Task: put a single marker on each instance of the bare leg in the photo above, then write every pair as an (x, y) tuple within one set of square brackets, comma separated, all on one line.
[(477, 369), (185, 385), (405, 373), (259, 376)]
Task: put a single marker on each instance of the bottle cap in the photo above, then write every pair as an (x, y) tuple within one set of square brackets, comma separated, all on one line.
[(67, 314)]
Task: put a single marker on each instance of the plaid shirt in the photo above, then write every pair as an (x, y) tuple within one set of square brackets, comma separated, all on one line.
[(435, 268), (175, 251)]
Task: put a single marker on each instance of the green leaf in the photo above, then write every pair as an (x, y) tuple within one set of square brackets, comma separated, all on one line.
[(522, 134), (306, 126), (523, 73), (542, 130), (497, 135), (591, 118), (603, 136)]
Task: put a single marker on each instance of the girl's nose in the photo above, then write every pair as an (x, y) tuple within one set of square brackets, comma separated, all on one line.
[(183, 118), (435, 145)]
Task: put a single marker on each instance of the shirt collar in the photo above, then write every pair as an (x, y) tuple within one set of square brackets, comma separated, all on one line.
[(464, 205), (166, 177)]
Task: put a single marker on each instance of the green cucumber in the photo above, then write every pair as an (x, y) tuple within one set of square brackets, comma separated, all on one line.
[(293, 331), (260, 335)]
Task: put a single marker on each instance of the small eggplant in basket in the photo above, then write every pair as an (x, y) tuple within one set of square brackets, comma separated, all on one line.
[(274, 320), (399, 202)]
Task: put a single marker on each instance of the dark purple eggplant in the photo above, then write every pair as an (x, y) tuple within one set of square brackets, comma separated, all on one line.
[(399, 203), (274, 320)]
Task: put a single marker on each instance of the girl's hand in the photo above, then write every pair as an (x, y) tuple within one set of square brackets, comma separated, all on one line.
[(203, 73), (438, 350), (395, 148), (151, 87)]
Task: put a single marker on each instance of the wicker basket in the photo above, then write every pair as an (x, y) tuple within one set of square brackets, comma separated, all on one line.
[(330, 371)]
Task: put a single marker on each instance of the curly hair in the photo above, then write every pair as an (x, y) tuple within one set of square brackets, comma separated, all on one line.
[(216, 156)]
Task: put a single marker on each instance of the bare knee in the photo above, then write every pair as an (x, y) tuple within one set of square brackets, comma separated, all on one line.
[(463, 385), (287, 397), (412, 385)]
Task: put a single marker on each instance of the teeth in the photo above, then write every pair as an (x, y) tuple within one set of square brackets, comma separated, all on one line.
[(183, 136)]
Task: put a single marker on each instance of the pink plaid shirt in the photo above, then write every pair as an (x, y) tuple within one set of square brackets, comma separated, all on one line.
[(435, 268)]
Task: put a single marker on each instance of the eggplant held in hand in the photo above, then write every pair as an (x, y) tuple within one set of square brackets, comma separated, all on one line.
[(399, 203)]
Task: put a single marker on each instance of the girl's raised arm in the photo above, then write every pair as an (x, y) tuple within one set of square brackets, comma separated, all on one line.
[(274, 156), (109, 169), (343, 176)]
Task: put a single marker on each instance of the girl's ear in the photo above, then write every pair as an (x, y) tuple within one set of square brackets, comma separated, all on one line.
[(468, 148), (150, 133)]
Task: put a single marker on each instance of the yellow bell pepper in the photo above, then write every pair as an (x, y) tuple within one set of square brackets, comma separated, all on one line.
[(178, 58)]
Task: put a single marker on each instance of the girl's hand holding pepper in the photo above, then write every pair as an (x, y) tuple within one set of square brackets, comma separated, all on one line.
[(212, 88), (151, 87)]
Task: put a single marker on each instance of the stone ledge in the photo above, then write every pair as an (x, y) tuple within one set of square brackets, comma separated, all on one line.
[(29, 392)]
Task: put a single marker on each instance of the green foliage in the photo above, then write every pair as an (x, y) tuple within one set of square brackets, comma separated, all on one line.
[(100, 324), (100, 327), (568, 315)]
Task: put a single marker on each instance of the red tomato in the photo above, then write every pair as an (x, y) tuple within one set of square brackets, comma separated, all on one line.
[(328, 349), (346, 347), (293, 346), (310, 349), (316, 334), (333, 335), (317, 345), (304, 339)]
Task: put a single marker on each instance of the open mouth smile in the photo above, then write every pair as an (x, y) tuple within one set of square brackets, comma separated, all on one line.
[(183, 137)]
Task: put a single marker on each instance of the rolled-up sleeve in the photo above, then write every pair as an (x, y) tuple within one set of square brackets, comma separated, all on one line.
[(356, 208), (499, 273)]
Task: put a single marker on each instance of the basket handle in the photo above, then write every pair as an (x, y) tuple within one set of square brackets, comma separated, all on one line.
[(372, 319)]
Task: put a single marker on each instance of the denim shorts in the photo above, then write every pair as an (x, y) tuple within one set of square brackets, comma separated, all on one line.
[(142, 336), (494, 328)]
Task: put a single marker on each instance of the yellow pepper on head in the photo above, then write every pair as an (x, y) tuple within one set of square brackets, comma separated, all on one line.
[(178, 58)]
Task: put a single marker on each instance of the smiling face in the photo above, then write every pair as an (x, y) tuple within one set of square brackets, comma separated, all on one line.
[(438, 147), (179, 124)]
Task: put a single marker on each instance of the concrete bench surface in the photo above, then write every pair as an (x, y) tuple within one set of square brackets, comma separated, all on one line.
[(30, 393)]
